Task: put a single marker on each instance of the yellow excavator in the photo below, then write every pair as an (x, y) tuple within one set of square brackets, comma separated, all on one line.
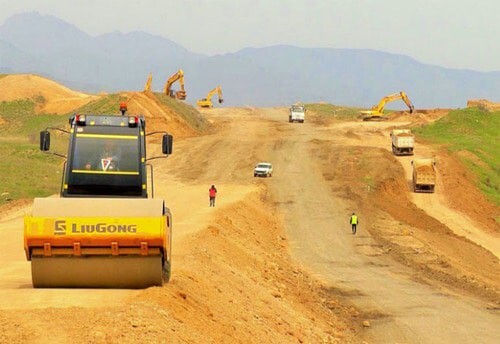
[(207, 102), (181, 94), (147, 86), (377, 111)]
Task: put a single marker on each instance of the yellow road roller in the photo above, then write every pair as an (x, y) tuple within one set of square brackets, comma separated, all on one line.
[(106, 230)]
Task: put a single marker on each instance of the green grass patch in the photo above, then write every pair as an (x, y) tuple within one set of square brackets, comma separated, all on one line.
[(108, 104), (3, 75), (21, 119), (192, 116), (27, 172), (333, 111), (472, 135)]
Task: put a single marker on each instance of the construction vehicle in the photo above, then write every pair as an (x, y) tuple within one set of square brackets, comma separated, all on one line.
[(403, 142), (207, 102), (424, 175), (106, 230), (147, 86), (181, 94), (297, 114), (377, 111)]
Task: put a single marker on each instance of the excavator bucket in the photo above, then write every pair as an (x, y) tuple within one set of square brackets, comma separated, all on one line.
[(181, 95), (98, 243)]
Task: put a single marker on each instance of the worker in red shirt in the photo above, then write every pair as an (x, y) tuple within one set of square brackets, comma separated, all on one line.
[(211, 194)]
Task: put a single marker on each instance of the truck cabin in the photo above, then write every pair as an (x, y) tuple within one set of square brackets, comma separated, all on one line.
[(297, 108)]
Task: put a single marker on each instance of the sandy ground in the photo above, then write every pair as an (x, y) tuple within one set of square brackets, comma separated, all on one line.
[(274, 261)]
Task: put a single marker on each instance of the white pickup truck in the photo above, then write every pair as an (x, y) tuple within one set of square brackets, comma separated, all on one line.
[(297, 114), (263, 169)]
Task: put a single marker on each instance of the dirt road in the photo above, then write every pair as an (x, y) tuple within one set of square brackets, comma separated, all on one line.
[(232, 278), (317, 223)]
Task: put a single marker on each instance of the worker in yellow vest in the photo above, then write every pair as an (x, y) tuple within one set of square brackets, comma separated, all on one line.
[(354, 222)]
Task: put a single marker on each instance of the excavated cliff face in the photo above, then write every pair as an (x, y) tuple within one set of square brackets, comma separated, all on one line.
[(483, 104)]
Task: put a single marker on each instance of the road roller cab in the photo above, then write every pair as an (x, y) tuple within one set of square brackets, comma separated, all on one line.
[(106, 229)]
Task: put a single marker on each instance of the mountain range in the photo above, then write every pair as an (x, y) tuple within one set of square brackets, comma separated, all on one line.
[(271, 76)]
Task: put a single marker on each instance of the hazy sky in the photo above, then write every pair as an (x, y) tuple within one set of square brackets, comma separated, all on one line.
[(448, 33)]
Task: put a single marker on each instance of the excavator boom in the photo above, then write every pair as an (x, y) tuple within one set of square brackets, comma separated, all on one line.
[(377, 111), (207, 102), (147, 86), (178, 76)]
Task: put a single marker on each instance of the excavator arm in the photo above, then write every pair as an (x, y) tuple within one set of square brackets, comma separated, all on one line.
[(147, 86), (181, 94), (207, 102), (377, 111), (407, 102), (401, 95)]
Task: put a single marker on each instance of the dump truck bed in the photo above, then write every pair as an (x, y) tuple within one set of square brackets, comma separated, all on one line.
[(403, 141), (424, 175)]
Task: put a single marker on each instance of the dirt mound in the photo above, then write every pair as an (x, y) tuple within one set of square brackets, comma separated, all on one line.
[(159, 116), (461, 188), (483, 104), (234, 283), (49, 96), (420, 115), (378, 186), (424, 169)]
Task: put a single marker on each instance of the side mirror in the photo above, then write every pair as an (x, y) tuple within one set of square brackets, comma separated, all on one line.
[(44, 140), (167, 144)]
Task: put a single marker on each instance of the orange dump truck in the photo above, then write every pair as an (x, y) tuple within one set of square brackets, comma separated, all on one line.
[(424, 175), (105, 230)]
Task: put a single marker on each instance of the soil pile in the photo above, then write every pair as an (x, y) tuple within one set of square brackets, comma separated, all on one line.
[(49, 96), (159, 116), (484, 104)]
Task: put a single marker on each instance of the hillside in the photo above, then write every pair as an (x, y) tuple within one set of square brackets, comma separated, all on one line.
[(271, 76), (31, 103), (50, 97)]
